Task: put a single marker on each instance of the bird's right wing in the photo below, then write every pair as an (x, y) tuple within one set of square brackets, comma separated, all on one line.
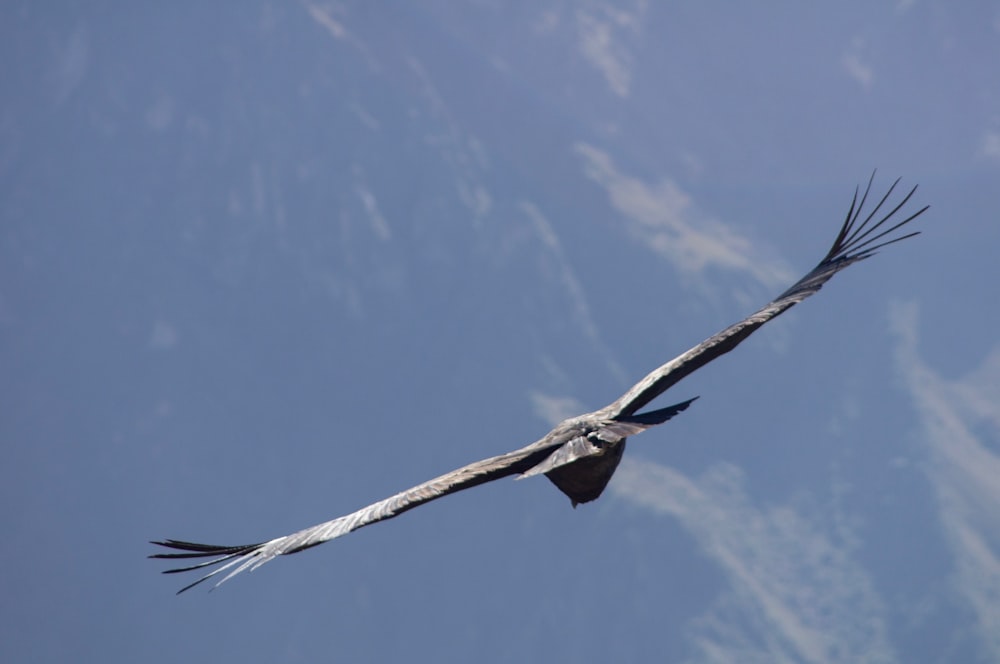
[(854, 243), (251, 556)]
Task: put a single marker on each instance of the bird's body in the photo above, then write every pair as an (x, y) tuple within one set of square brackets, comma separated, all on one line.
[(584, 480), (581, 453)]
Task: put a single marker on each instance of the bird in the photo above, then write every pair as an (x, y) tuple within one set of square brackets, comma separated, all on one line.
[(580, 454)]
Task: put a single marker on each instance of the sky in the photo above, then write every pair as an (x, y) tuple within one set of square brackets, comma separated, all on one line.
[(263, 263)]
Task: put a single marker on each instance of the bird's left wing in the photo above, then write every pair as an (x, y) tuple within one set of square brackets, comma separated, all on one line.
[(244, 557), (855, 242), (564, 437)]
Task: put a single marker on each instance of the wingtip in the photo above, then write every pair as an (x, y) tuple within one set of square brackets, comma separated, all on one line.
[(684, 405), (860, 238)]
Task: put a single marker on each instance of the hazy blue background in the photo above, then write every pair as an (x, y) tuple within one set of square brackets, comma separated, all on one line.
[(262, 263)]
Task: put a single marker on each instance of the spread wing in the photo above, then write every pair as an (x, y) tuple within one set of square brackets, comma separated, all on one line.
[(856, 241), (244, 557)]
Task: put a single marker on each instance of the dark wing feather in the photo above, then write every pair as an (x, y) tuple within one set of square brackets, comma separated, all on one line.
[(855, 242), (251, 556)]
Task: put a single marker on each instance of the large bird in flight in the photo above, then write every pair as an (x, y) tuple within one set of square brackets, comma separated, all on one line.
[(580, 454)]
